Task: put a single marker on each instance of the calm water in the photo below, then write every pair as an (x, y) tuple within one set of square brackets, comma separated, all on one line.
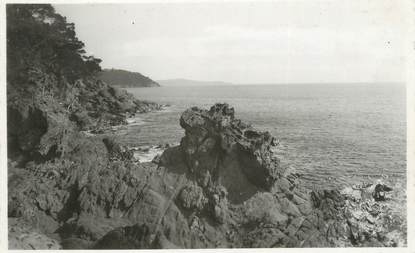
[(333, 134)]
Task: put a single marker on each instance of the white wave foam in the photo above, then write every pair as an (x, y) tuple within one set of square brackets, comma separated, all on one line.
[(147, 154)]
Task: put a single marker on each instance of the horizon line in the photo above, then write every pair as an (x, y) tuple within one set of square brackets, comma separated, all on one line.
[(280, 83)]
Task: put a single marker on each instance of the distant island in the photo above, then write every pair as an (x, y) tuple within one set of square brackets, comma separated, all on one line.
[(188, 82), (126, 79)]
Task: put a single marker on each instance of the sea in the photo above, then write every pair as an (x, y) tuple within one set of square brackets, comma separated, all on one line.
[(332, 134)]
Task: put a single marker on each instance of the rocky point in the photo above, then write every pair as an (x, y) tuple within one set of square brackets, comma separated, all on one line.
[(221, 187)]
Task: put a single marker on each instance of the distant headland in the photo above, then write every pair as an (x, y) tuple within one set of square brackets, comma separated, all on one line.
[(126, 79)]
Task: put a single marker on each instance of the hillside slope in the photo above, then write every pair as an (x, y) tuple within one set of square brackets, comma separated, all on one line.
[(52, 86), (52, 82), (127, 79)]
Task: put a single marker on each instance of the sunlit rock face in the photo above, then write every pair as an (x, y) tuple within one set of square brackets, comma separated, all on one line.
[(219, 148)]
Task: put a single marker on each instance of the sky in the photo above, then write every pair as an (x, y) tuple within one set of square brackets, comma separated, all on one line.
[(248, 42)]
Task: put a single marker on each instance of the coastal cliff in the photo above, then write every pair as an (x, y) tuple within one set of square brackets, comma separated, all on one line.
[(54, 100), (52, 86), (223, 186)]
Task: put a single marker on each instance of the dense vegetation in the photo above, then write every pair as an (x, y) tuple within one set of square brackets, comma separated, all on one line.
[(40, 40), (221, 187), (53, 94), (123, 78), (52, 81)]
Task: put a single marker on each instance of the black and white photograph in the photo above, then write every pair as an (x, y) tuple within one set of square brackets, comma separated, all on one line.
[(207, 124)]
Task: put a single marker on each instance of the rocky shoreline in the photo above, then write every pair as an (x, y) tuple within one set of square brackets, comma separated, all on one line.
[(221, 187), (71, 185)]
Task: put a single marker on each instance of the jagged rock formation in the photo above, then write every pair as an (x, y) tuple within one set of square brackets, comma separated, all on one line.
[(223, 205), (222, 187), (235, 181), (220, 149)]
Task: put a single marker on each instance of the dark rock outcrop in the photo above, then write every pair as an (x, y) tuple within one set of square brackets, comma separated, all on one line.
[(63, 184), (380, 192), (221, 187), (254, 201), (91, 190), (130, 237), (117, 151), (108, 104), (220, 149)]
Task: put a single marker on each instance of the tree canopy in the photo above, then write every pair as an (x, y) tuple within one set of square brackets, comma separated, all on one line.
[(39, 39)]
